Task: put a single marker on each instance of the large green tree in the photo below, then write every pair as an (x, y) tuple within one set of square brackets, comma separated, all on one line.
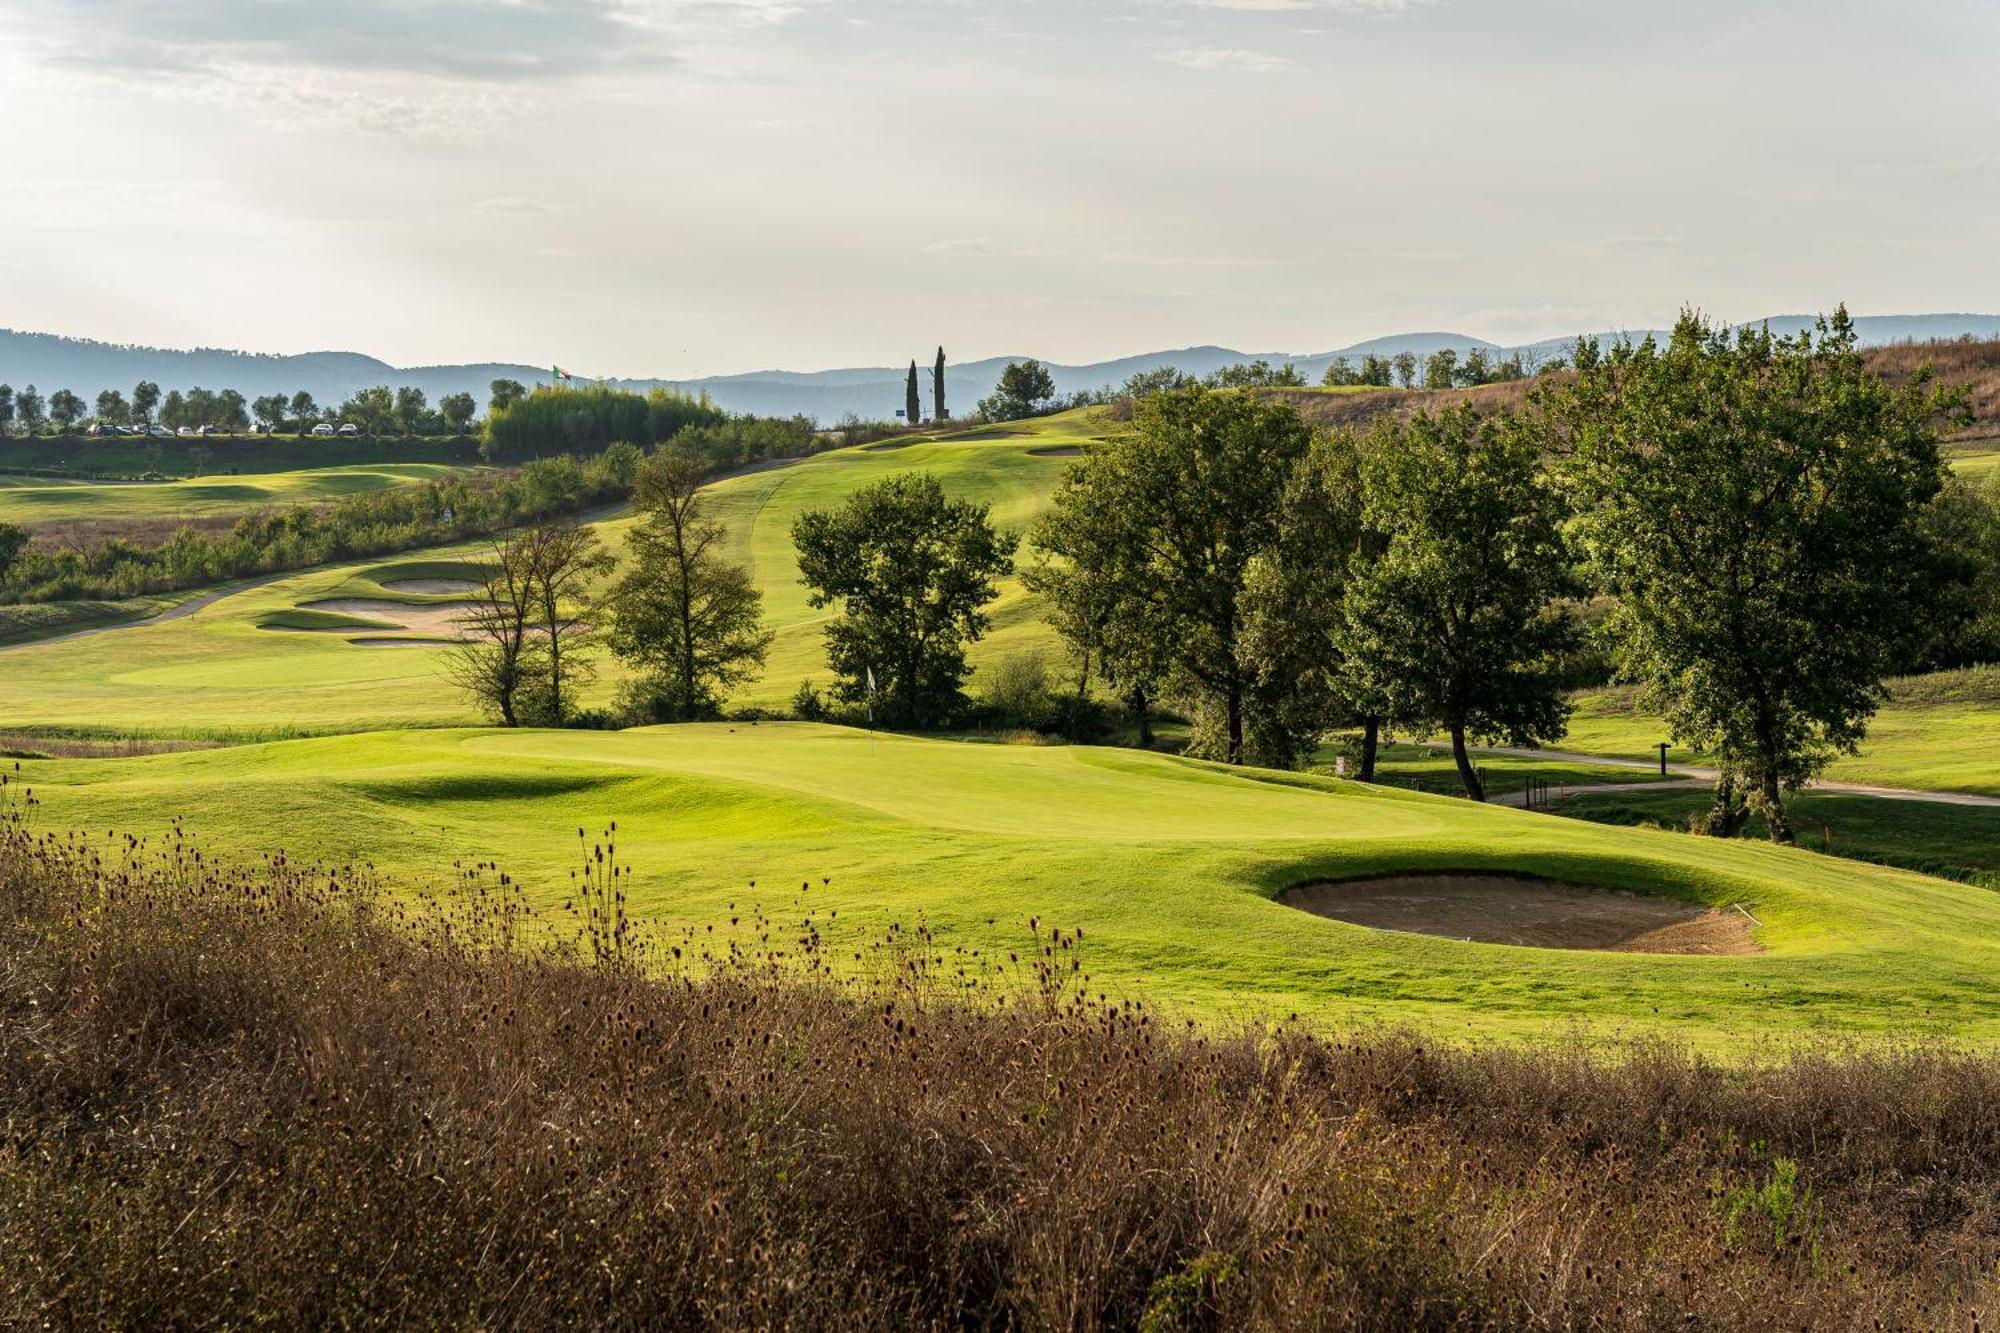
[(1459, 624), (145, 398), (1754, 504), (688, 619), (912, 573), (1187, 502), (1025, 389), (66, 409)]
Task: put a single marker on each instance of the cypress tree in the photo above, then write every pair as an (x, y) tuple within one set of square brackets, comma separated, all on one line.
[(913, 408), (937, 389)]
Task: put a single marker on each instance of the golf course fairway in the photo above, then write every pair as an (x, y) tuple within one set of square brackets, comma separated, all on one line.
[(1170, 867)]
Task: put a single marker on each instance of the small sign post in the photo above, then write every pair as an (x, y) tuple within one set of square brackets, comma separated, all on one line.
[(1663, 758)]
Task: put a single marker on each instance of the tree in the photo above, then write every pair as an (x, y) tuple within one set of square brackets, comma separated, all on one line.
[(458, 410), (1193, 496), (371, 409), (13, 541), (690, 621), (230, 413), (496, 654), (1458, 624), (411, 405), (112, 409), (913, 407), (29, 410), (173, 410), (145, 397), (1406, 369), (504, 393), (911, 573), (1340, 374), (565, 561), (269, 410), (65, 410), (1755, 505), (6, 408), (304, 410), (937, 389), (1441, 368), (1024, 388), (1374, 371)]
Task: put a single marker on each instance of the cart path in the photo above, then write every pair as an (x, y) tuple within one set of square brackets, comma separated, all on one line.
[(1687, 775)]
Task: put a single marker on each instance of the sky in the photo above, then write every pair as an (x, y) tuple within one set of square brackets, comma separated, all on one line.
[(684, 187)]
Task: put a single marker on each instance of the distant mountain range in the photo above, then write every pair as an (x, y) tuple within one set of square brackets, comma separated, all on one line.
[(50, 362)]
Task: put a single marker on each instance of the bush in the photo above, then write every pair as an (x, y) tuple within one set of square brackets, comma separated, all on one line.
[(808, 705)]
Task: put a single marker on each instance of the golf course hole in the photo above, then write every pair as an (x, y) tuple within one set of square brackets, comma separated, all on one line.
[(433, 587), (1519, 910)]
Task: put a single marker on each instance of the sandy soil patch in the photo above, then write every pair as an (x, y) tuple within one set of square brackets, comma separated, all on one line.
[(1514, 909), (439, 619), (433, 587)]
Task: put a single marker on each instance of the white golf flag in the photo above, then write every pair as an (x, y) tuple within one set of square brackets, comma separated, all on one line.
[(871, 678)]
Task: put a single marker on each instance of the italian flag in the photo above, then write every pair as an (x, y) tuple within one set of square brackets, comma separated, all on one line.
[(562, 376)]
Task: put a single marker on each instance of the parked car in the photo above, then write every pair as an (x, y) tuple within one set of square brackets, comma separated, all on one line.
[(161, 430), (322, 430), (350, 428)]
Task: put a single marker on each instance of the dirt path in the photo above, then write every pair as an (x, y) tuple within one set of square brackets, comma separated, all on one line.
[(1691, 775)]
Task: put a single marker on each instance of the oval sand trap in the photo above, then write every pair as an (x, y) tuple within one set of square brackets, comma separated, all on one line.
[(434, 618), (1514, 909), (376, 641), (433, 587)]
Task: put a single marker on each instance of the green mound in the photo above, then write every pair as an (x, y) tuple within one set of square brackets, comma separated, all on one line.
[(301, 619), (1170, 867)]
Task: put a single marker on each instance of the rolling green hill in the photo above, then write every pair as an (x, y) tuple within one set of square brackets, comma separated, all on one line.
[(1169, 867), (34, 502)]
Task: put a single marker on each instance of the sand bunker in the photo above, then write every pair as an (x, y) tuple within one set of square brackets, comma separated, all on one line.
[(433, 587), (1059, 451), (411, 642), (1514, 909), (439, 619)]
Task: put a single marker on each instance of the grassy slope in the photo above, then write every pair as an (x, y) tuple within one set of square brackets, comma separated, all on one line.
[(217, 673), (1930, 737), (1167, 865), (33, 502), (1956, 842)]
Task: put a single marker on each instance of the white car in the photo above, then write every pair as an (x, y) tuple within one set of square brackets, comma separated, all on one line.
[(322, 430), (350, 429)]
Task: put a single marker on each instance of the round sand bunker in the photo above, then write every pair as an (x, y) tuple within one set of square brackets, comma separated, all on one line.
[(433, 587), (1515, 909)]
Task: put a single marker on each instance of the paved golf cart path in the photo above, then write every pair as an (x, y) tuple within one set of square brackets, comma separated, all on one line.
[(1685, 775)]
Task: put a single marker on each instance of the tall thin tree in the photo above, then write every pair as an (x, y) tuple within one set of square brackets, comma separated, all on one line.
[(937, 389), (913, 406)]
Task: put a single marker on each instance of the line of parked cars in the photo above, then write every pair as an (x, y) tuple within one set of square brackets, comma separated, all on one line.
[(322, 430)]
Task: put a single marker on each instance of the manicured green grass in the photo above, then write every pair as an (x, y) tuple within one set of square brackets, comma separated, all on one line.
[(1951, 841), (219, 673), (1937, 732), (34, 503), (1168, 866), (1977, 464)]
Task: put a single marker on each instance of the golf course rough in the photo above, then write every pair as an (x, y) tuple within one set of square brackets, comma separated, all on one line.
[(1172, 867)]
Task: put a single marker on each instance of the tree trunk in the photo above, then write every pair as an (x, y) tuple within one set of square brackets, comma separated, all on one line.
[(1726, 815), (1371, 740), (1142, 709), (1466, 773), (1775, 817), (1235, 723)]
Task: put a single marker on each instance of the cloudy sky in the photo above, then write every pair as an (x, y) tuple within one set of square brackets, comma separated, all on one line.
[(678, 187)]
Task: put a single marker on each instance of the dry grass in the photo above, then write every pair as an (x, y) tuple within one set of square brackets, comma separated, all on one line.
[(34, 745), (269, 1095)]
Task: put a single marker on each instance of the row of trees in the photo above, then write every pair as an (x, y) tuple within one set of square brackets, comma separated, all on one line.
[(1755, 508), (404, 410)]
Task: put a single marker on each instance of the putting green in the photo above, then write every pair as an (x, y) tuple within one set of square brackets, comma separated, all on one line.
[(1169, 866)]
